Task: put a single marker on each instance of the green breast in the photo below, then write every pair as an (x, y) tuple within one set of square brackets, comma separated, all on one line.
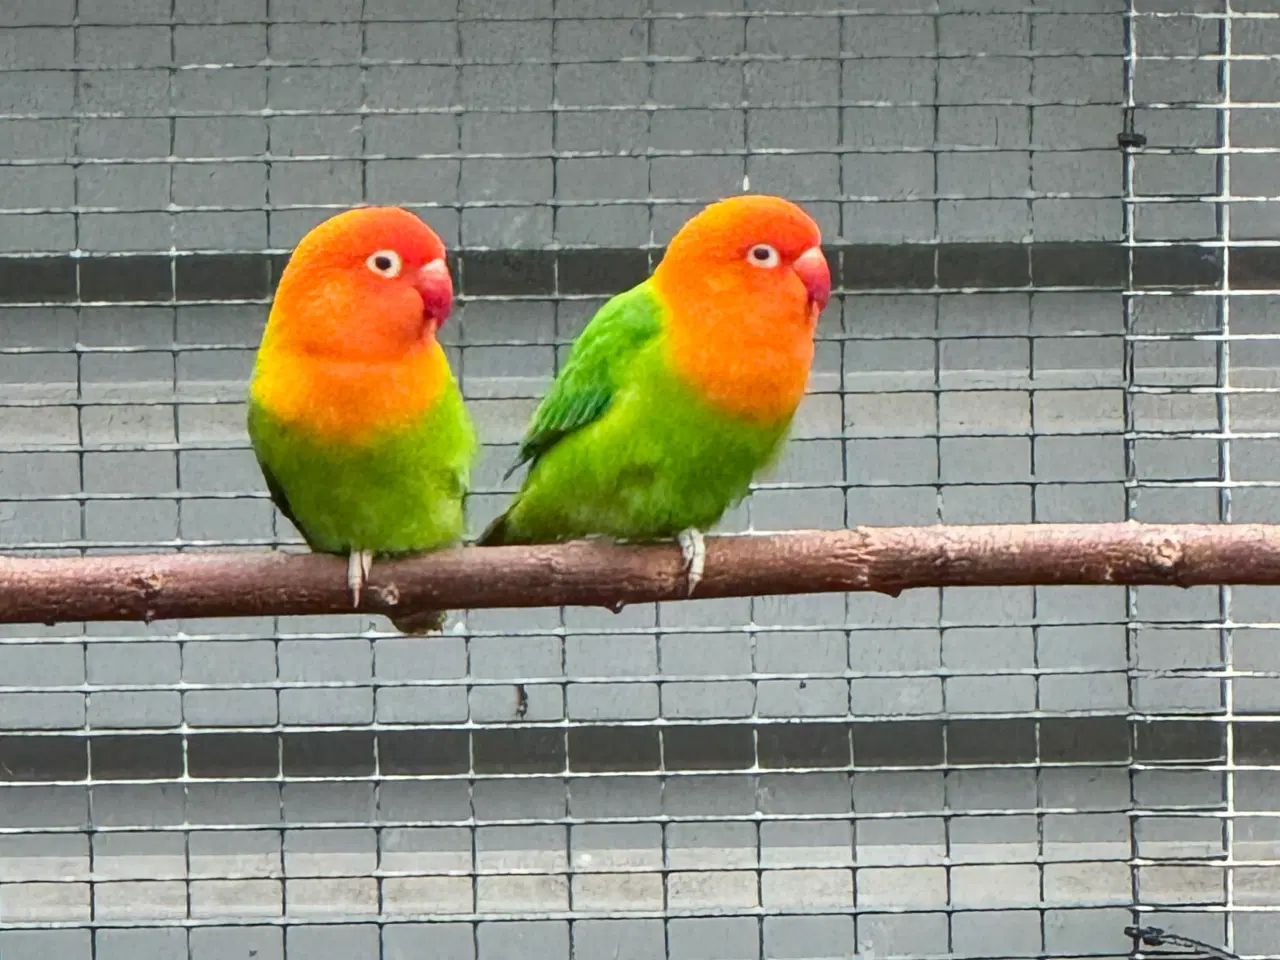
[(660, 460), (400, 493)]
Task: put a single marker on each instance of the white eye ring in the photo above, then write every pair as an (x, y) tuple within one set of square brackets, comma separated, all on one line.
[(385, 263), (763, 255)]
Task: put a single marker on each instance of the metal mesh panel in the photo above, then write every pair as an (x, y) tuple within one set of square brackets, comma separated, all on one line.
[(1032, 324)]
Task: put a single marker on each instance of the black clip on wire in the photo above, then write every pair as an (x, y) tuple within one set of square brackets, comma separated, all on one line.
[(1155, 937), (1129, 138)]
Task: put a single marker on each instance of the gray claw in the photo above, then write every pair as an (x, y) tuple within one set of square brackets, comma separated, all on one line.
[(359, 563), (694, 550)]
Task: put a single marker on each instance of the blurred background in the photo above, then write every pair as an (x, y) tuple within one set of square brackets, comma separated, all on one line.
[(1052, 224)]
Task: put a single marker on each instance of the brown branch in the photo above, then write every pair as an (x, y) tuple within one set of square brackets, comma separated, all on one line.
[(882, 559)]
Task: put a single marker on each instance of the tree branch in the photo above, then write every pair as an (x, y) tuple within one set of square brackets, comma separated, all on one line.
[(881, 559)]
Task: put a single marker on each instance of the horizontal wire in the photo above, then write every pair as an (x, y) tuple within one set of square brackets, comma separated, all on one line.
[(635, 631), (556, 203), (1207, 715), (737, 106), (1214, 861), (388, 919), (1158, 812), (890, 9), (747, 676), (531, 777), (79, 160), (91, 65)]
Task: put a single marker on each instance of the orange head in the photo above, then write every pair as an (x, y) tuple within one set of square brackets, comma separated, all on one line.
[(370, 284), (760, 251)]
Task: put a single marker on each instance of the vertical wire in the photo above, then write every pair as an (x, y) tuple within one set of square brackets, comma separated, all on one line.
[(176, 427), (944, 594), (1224, 384), (846, 417), (1128, 202), (91, 833)]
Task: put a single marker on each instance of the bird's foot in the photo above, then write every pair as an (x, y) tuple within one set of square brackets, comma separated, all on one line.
[(359, 563), (694, 550)]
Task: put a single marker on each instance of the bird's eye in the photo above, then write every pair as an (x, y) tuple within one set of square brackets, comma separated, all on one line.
[(762, 255), (385, 263)]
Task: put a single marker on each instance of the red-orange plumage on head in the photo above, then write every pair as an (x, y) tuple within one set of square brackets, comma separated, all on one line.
[(370, 284), (754, 247)]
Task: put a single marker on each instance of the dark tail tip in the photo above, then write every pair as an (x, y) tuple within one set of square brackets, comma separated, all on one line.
[(495, 534), (419, 622)]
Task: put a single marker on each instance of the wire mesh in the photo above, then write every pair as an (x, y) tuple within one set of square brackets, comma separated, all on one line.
[(1053, 227)]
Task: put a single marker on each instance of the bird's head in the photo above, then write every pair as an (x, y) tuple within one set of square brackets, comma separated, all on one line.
[(761, 248), (368, 284)]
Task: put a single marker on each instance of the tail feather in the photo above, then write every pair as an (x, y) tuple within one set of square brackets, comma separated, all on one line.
[(416, 623), (498, 533)]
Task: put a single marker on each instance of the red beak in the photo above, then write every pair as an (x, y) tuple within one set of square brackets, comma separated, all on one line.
[(436, 287), (811, 267)]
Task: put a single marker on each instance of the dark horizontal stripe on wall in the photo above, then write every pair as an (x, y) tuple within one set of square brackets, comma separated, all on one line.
[(480, 273), (608, 749)]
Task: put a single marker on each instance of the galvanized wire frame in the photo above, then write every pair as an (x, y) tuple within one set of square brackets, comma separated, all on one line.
[(574, 785)]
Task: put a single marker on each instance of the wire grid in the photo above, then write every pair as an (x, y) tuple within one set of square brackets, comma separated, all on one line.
[(957, 773)]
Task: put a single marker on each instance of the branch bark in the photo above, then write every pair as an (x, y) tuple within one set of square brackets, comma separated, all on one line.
[(589, 573)]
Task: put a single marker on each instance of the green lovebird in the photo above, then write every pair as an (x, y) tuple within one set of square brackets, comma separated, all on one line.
[(354, 414), (679, 390)]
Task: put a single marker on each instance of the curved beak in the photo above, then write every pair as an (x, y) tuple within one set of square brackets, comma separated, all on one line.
[(811, 267), (436, 287)]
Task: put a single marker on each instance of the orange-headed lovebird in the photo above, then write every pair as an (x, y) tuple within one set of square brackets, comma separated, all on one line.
[(679, 390), (355, 416)]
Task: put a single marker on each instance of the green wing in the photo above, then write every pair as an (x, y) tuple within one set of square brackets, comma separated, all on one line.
[(278, 496), (594, 371)]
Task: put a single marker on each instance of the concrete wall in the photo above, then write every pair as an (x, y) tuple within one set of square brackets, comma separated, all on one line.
[(955, 773)]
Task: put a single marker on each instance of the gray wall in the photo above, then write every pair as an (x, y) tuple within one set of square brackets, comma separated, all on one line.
[(1032, 325), (516, 132)]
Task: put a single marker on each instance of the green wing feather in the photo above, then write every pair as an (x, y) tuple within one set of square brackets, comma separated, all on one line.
[(279, 497), (594, 371)]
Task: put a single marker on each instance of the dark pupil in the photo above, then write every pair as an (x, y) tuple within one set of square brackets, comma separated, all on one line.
[(760, 253), (382, 263)]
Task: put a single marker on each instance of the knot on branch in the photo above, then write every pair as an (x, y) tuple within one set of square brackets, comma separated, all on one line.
[(149, 586), (387, 594), (1166, 558)]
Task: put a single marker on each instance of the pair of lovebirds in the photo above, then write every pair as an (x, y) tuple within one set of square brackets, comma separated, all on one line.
[(673, 397)]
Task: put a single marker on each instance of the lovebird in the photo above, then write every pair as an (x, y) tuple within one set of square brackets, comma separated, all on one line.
[(354, 414), (680, 389)]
